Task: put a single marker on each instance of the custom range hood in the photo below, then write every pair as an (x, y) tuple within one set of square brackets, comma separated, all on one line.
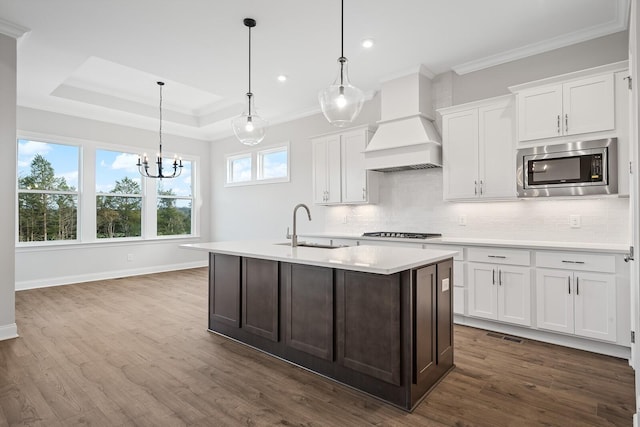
[(406, 137)]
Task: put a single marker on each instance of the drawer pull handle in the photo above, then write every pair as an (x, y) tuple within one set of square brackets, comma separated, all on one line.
[(573, 262), (569, 284), (497, 256)]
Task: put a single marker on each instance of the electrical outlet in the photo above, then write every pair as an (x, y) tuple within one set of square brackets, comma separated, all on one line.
[(129, 257), (574, 221), (462, 220)]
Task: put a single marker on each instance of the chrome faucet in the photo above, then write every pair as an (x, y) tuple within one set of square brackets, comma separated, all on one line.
[(294, 236)]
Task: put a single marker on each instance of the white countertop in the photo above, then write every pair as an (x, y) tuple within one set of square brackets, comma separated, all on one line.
[(365, 258), (463, 241)]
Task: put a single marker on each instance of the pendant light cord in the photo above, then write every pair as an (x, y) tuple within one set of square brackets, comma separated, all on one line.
[(342, 58), (249, 95), (160, 120)]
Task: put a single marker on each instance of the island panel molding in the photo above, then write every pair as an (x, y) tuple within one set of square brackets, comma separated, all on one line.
[(339, 319)]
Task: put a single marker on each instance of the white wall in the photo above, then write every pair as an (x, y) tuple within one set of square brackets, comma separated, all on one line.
[(265, 211), (7, 180), (494, 81), (412, 201), (61, 264)]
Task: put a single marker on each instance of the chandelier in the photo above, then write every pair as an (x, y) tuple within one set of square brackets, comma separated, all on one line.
[(143, 162)]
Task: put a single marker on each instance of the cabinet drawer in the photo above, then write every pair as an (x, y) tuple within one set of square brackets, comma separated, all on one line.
[(499, 256), (459, 249), (577, 261)]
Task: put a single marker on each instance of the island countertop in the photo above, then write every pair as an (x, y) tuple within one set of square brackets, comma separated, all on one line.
[(365, 258)]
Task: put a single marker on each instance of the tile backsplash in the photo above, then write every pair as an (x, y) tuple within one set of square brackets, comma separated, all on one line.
[(412, 201)]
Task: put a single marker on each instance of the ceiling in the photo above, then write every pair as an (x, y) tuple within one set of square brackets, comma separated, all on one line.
[(101, 59)]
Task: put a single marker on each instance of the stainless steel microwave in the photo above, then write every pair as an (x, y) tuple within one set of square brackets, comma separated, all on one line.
[(577, 168)]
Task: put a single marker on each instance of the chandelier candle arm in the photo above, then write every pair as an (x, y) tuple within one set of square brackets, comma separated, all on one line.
[(143, 162)]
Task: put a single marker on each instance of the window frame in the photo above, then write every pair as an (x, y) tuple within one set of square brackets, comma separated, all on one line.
[(78, 193), (86, 233), (257, 165)]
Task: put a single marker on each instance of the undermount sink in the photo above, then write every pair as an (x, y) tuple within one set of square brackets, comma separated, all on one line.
[(312, 245)]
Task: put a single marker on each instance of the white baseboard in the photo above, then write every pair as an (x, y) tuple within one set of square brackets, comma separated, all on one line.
[(8, 332), (81, 278), (549, 337)]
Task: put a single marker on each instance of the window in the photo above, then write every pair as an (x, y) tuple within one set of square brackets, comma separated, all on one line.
[(259, 167), (47, 191), (273, 163), (118, 195), (174, 205), (239, 168)]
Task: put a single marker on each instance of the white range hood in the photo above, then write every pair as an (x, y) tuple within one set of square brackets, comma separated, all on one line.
[(406, 137)]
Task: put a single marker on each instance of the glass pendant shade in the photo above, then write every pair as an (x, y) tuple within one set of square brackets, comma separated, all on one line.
[(341, 102), (249, 128)]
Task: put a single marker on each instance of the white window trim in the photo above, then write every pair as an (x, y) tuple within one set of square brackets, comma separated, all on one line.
[(256, 156), (86, 230)]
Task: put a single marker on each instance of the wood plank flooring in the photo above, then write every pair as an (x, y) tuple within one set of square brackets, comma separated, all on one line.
[(135, 352)]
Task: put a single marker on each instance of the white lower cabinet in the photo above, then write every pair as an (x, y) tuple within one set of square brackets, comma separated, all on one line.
[(577, 302), (499, 292)]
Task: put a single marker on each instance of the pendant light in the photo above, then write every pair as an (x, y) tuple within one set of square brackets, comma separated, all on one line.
[(341, 102), (143, 162), (249, 128)]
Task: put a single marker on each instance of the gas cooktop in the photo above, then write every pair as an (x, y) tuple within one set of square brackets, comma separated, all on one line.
[(401, 235)]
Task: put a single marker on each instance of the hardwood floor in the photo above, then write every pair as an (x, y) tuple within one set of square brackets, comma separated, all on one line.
[(135, 351)]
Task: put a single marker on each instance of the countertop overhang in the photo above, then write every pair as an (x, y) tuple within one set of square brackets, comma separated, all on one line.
[(364, 258)]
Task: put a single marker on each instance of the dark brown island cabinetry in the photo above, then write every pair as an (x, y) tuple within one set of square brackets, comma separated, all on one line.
[(388, 335)]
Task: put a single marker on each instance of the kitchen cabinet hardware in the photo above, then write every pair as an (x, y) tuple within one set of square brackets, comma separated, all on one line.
[(566, 123), (629, 256), (481, 183), (493, 276), (475, 187), (500, 277), (577, 286), (558, 124), (569, 284), (572, 262), (497, 256), (364, 193)]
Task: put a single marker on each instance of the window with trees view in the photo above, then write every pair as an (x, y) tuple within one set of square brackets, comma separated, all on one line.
[(118, 195), (47, 191), (175, 199)]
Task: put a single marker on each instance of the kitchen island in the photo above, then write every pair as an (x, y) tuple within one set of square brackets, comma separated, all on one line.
[(378, 319)]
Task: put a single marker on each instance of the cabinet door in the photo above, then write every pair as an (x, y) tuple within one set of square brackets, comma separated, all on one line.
[(334, 170), (588, 105), (482, 280), (424, 314), (224, 289), (308, 307), (460, 155), (354, 177), (496, 151), (326, 169), (320, 170), (514, 295), (368, 324), (595, 305), (539, 113), (260, 283), (554, 297)]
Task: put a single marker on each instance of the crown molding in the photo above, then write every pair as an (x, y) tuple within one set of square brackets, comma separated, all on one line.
[(12, 30), (418, 69), (618, 24)]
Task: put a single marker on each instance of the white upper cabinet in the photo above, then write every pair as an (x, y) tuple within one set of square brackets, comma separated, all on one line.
[(479, 150), (339, 175), (326, 170), (571, 108)]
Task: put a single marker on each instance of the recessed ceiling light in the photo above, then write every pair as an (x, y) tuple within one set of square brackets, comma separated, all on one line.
[(367, 43), (282, 78)]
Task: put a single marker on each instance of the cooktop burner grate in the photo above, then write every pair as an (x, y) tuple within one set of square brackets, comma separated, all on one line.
[(401, 235)]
